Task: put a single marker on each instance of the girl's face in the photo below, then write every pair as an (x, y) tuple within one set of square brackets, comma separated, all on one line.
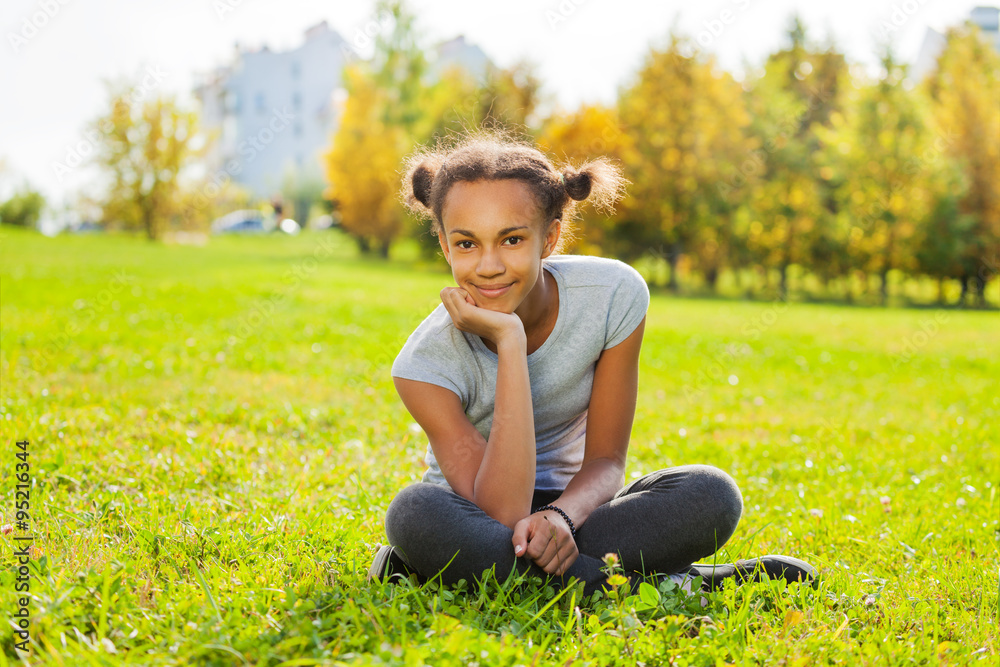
[(493, 241)]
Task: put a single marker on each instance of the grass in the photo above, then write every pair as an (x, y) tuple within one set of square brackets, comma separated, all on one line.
[(214, 439)]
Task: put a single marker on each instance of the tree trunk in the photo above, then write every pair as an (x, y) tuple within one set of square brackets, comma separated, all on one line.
[(383, 249), (965, 290), (712, 277), (672, 278), (783, 282), (363, 245), (940, 296), (884, 287), (980, 289)]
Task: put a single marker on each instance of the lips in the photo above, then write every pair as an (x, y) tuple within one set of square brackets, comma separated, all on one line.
[(493, 291)]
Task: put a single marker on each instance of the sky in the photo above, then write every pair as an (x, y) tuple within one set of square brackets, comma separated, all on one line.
[(55, 54)]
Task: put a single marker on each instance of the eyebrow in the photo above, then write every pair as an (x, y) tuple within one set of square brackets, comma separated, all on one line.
[(505, 230)]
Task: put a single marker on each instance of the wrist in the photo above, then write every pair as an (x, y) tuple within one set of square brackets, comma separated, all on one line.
[(513, 338), (560, 512)]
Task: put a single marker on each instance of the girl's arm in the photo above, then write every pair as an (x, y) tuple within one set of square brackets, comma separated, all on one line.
[(505, 481), (609, 426), (498, 475), (545, 537)]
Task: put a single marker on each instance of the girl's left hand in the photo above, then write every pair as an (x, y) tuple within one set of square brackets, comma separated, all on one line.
[(545, 538)]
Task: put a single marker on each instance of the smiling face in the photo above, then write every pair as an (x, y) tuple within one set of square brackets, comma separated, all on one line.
[(494, 243)]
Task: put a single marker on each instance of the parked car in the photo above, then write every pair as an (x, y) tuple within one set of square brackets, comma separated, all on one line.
[(247, 221)]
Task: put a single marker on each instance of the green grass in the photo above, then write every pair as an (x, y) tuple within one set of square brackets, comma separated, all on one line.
[(214, 439)]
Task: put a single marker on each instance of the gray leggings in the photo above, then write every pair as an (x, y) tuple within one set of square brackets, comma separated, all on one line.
[(660, 523)]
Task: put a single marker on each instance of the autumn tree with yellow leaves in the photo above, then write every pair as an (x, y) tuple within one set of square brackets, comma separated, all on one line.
[(685, 121), (142, 146)]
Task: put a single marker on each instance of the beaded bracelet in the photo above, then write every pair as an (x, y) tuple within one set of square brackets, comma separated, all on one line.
[(572, 528)]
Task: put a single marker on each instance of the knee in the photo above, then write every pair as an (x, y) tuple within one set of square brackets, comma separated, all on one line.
[(410, 509), (722, 492)]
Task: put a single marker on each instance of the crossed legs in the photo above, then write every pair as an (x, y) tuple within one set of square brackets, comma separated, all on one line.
[(660, 523)]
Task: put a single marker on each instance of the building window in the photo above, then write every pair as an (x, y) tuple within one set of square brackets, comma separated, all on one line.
[(298, 129), (295, 70), (260, 103), (296, 101)]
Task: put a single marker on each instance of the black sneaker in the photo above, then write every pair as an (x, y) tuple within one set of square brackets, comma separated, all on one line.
[(755, 569), (389, 565)]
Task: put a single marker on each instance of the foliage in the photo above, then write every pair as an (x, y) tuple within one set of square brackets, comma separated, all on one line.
[(965, 89), (142, 148), (685, 120), (23, 209)]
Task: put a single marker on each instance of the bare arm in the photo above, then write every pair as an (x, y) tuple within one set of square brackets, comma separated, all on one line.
[(505, 481), (609, 425), (498, 475)]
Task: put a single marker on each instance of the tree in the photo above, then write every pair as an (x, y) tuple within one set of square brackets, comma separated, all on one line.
[(592, 131), (877, 149), (23, 209), (794, 208), (965, 89), (142, 147), (685, 122), (362, 165), (382, 120)]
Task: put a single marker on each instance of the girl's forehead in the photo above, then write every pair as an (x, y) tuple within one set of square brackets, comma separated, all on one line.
[(482, 201)]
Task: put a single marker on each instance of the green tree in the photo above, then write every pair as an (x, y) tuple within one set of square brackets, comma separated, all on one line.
[(796, 212), (878, 151), (965, 89), (23, 209)]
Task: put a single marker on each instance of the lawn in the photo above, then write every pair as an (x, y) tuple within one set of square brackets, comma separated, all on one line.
[(213, 439)]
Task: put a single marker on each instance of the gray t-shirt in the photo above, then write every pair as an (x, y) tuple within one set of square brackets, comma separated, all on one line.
[(601, 302)]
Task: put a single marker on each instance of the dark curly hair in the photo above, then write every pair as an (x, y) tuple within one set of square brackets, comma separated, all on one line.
[(496, 155)]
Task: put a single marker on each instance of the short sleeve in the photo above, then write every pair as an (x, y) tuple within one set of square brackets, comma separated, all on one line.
[(416, 362), (629, 302)]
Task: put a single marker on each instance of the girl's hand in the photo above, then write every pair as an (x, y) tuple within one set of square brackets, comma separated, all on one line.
[(545, 538), (483, 322)]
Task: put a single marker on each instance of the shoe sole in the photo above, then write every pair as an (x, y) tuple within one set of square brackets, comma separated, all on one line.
[(788, 568)]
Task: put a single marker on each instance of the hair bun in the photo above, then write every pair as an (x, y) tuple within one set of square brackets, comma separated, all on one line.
[(422, 180), (578, 184)]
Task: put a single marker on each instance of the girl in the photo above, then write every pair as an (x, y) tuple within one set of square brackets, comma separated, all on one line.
[(524, 380)]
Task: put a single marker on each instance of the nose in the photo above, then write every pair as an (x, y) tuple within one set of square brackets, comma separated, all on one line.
[(490, 263)]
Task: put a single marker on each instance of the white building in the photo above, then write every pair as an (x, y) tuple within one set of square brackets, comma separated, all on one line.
[(988, 20), (276, 112)]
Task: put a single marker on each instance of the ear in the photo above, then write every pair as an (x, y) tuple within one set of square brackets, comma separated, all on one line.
[(443, 242), (552, 237)]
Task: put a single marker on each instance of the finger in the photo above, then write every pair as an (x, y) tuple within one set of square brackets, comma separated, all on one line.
[(538, 541), (520, 538), (567, 559), (548, 561)]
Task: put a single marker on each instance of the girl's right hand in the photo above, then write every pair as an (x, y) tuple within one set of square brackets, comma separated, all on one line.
[(483, 322)]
